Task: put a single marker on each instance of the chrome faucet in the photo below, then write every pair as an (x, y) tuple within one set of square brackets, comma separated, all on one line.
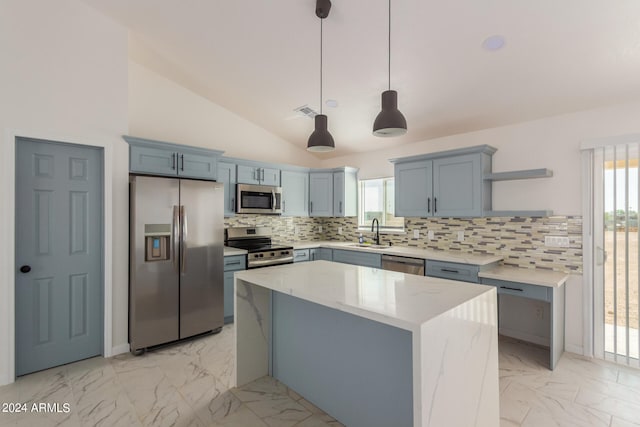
[(377, 224)]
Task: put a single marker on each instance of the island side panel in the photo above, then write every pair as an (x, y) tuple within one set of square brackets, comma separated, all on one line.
[(357, 370), (252, 331), (459, 368)]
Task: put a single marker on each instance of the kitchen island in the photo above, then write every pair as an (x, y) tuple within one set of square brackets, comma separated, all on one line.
[(371, 347)]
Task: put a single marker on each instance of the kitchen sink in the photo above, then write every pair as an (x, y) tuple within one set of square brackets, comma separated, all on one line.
[(365, 245)]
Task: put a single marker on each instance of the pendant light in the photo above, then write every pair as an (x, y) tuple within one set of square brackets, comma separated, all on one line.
[(390, 121), (321, 140)]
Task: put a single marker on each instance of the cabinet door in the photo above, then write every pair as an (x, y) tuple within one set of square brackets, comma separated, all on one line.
[(295, 193), (156, 161), (301, 255), (414, 188), (338, 194), (457, 186), (321, 254), (321, 194), (191, 165), (228, 296), (270, 176), (227, 175), (248, 175)]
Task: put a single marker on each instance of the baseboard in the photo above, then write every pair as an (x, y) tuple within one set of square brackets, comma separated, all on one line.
[(572, 348), (119, 349), (519, 335)]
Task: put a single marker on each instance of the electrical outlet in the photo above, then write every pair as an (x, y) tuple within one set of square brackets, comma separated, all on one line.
[(416, 234), (539, 313), (556, 241), (296, 230), (319, 229), (460, 236), (339, 230), (431, 235)]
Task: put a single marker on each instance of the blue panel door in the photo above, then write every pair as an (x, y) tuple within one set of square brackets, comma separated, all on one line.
[(192, 165), (59, 306)]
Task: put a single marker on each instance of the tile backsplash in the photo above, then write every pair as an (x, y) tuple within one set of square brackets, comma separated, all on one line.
[(520, 240)]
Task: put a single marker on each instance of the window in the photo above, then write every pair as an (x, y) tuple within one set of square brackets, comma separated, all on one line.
[(377, 201)]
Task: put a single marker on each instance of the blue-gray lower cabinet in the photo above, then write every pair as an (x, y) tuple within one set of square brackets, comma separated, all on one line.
[(554, 296), (357, 258), (452, 270), (232, 264), (325, 254)]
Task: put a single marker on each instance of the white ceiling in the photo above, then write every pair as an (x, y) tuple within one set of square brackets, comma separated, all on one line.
[(260, 59)]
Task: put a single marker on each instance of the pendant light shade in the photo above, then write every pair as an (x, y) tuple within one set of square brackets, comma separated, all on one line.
[(390, 121), (320, 140)]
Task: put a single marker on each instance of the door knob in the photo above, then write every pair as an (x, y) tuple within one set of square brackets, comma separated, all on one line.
[(25, 269)]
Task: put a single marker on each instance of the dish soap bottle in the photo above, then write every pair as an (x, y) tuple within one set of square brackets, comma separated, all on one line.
[(361, 239)]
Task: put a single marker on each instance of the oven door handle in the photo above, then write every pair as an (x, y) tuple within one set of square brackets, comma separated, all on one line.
[(287, 260)]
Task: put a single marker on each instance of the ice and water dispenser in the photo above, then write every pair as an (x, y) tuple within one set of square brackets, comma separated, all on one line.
[(157, 242)]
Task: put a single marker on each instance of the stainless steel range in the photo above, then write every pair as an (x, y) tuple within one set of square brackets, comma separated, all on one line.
[(257, 241)]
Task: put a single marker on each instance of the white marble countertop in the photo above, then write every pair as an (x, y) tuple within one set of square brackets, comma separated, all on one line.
[(551, 279), (402, 300), (429, 254), (233, 251)]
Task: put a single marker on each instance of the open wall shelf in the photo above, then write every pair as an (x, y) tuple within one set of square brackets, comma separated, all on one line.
[(522, 174)]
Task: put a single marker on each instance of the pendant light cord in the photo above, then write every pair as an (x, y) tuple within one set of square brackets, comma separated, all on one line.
[(321, 65), (389, 44)]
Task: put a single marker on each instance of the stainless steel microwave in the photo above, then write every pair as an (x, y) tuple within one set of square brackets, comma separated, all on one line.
[(262, 199)]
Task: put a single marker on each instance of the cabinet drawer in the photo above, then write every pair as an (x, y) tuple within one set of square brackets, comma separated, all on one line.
[(300, 255), (357, 258), (526, 290), (235, 262), (452, 270)]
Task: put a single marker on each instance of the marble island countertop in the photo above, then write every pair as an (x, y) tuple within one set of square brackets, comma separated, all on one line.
[(429, 254), (402, 300)]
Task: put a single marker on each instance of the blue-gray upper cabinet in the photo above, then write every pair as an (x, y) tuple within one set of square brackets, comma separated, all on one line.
[(295, 193), (414, 188), (345, 192), (321, 194), (162, 158), (445, 184), (248, 174), (227, 175)]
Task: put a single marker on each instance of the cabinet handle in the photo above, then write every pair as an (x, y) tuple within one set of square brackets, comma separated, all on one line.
[(173, 161), (435, 205), (233, 204), (310, 207), (262, 172), (283, 206), (256, 174), (428, 204), (182, 162), (449, 270), (511, 289), (340, 209), (232, 263)]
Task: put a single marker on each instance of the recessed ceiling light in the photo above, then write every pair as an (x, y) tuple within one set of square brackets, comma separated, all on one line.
[(331, 103), (493, 43)]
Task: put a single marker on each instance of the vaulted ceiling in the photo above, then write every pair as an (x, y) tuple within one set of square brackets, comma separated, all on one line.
[(260, 59)]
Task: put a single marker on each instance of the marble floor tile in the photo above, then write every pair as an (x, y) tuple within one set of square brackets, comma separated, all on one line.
[(188, 384)]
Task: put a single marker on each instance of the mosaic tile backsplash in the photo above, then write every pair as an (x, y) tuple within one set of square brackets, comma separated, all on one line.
[(520, 240)]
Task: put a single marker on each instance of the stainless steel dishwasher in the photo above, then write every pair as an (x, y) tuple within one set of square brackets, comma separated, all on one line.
[(403, 264)]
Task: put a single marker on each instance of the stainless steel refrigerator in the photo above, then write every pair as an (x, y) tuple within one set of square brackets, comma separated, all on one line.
[(176, 283)]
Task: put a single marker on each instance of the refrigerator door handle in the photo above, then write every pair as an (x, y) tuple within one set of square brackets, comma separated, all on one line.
[(176, 237), (183, 240)]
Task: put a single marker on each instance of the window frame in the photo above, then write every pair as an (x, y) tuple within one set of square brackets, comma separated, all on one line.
[(383, 227)]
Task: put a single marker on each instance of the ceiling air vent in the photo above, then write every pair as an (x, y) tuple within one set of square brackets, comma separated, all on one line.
[(305, 110)]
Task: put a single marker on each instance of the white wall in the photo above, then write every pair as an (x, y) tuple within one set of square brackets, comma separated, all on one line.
[(63, 76), (546, 143), (161, 109)]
